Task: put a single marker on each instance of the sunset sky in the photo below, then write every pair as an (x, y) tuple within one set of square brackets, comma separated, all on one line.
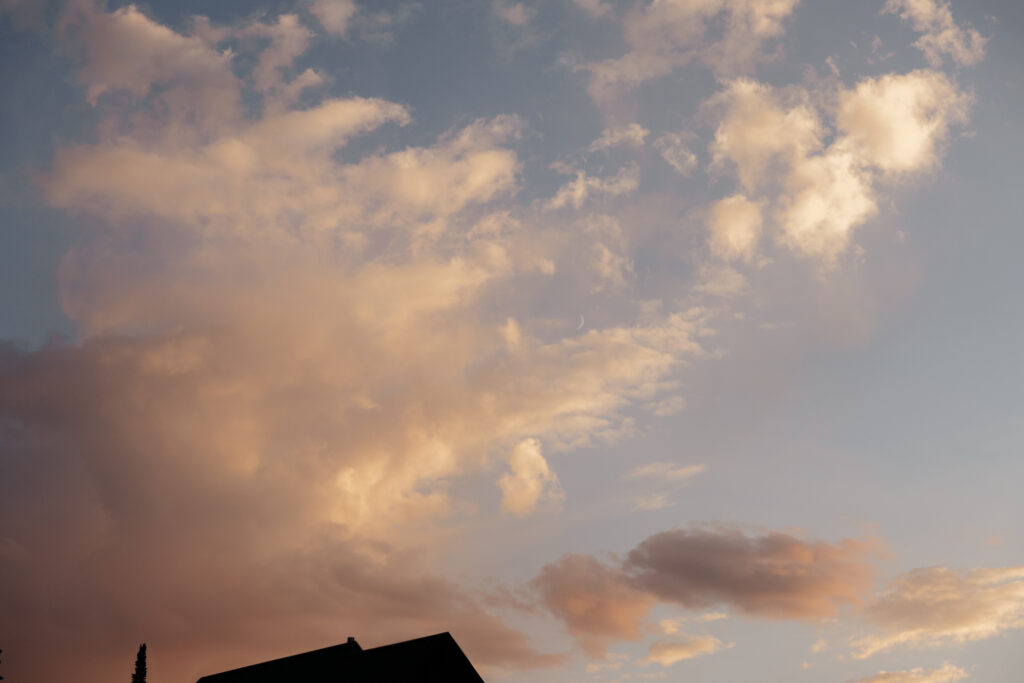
[(625, 340)]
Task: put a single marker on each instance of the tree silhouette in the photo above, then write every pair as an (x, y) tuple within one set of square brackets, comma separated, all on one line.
[(140, 666)]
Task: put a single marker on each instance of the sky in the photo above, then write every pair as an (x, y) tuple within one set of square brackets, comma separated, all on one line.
[(625, 340)]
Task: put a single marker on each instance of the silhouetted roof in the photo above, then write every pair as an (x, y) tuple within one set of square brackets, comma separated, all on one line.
[(436, 658)]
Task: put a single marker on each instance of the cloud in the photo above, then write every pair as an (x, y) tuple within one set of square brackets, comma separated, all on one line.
[(674, 149), (467, 167), (610, 258), (716, 279), (896, 122), (334, 15), (660, 481), (750, 24), (286, 162), (669, 652), (948, 673), (632, 135), (772, 575), (290, 346), (595, 8), (288, 40), (576, 192), (671, 626), (239, 589), (516, 14), (735, 224), (126, 51), (529, 482), (826, 197), (613, 661), (775, 575), (665, 471), (285, 352), (595, 601), (663, 36), (937, 606), (884, 128), (669, 405), (756, 133), (940, 34)]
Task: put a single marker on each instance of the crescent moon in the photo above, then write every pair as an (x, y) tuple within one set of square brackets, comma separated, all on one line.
[(580, 326)]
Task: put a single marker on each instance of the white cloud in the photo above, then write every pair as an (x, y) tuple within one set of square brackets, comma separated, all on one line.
[(775, 143), (826, 196), (529, 482), (735, 224), (896, 122), (940, 34), (757, 135)]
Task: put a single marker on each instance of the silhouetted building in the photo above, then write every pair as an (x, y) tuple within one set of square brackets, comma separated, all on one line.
[(434, 659)]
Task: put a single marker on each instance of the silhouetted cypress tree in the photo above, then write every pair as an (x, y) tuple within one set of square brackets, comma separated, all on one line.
[(140, 666)]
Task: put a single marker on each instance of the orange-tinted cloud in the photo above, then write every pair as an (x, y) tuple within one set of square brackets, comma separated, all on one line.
[(947, 673), (283, 357), (596, 601), (668, 652), (936, 606), (529, 482), (774, 575), (771, 575)]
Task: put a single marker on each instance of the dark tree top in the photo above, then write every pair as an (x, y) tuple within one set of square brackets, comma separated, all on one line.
[(140, 665)]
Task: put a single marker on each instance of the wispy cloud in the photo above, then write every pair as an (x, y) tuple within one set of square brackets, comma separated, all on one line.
[(941, 35), (661, 481), (948, 673), (668, 652), (938, 605)]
